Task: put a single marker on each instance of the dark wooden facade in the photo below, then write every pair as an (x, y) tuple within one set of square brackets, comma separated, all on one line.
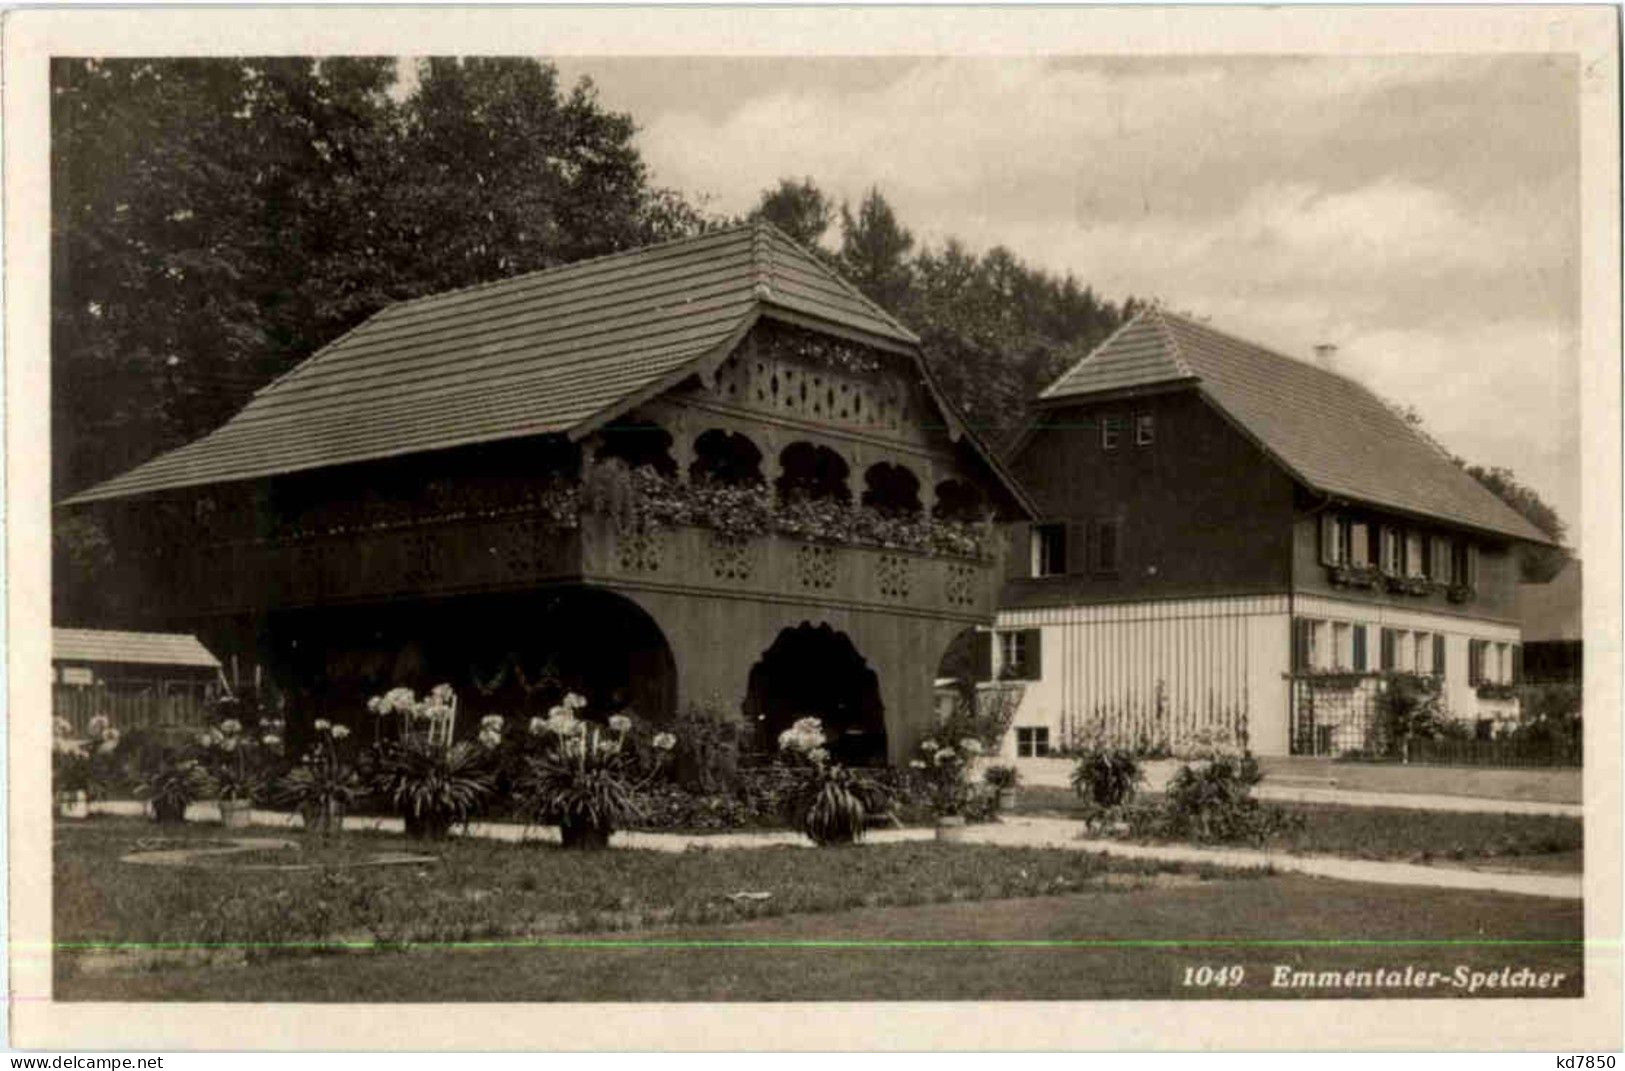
[(496, 567)]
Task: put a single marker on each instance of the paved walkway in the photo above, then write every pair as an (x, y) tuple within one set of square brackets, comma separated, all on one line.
[(1012, 832)]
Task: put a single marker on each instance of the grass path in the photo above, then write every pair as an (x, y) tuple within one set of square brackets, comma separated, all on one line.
[(1089, 945)]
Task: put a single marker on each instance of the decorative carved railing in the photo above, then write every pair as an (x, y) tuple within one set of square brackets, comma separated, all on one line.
[(517, 552)]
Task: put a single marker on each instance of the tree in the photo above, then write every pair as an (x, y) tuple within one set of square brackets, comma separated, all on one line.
[(216, 221), (874, 252), (1537, 564), (799, 209)]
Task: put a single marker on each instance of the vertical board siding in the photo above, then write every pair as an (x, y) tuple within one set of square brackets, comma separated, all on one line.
[(1143, 674)]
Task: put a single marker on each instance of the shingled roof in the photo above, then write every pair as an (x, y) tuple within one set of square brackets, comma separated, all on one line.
[(560, 350), (1329, 432), (130, 648)]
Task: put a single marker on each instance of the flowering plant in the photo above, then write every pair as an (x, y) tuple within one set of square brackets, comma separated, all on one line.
[(401, 715), (945, 771), (586, 777), (431, 781), (325, 781), (240, 759), (80, 764), (831, 802)]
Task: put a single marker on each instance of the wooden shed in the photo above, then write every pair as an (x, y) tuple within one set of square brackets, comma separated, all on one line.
[(133, 678)]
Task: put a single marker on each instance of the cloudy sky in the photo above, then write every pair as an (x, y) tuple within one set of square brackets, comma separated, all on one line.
[(1421, 213)]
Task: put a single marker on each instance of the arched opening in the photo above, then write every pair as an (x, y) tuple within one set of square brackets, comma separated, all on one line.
[(959, 500), (812, 472), (891, 489), (638, 443), (722, 457), (515, 655), (813, 671)]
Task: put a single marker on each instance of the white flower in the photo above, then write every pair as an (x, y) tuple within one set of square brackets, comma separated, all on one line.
[(575, 701), (946, 755), (664, 741), (442, 695), (98, 725), (340, 732), (492, 721), (109, 740), (563, 722), (229, 743), (205, 740), (490, 737), (272, 740), (62, 727), (917, 764), (819, 755), (376, 704), (970, 746), (928, 746), (322, 725), (620, 723), (231, 726), (538, 726)]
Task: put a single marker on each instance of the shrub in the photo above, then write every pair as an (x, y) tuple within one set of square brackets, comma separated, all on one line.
[(707, 753), (1211, 800), (324, 783), (1001, 777), (983, 715), (1106, 776), (942, 770), (1409, 707), (174, 786)]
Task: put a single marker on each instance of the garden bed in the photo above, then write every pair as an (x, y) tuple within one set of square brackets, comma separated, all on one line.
[(481, 890), (1546, 841)]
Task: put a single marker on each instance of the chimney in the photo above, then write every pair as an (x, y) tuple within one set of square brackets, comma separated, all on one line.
[(1326, 355)]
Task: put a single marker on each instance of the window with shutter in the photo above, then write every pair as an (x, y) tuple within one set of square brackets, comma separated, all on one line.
[(1475, 662), (1390, 551), (1517, 663), (1472, 565), (1360, 545), (1300, 645), (1387, 653), (1078, 547), (1104, 546), (1035, 654), (1328, 539), (1111, 432), (1359, 662), (1414, 566), (1438, 654)]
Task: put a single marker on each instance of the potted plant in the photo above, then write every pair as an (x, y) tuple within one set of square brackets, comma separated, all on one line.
[(1003, 780), (174, 786), (239, 763), (944, 768), (431, 785), (70, 772), (585, 778), (323, 784), (832, 803)]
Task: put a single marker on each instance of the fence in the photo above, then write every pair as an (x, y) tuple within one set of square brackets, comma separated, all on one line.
[(1340, 716), (130, 706)]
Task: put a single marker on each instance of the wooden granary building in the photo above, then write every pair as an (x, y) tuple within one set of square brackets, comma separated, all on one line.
[(706, 472)]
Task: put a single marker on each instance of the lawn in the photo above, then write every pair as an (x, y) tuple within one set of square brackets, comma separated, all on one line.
[(1084, 945), (1547, 842), (483, 889)]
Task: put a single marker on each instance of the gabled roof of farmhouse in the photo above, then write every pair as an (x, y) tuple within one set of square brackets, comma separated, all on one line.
[(130, 648), (1329, 432), (556, 351)]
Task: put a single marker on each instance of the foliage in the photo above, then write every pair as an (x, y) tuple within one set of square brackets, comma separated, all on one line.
[(585, 779), (214, 221), (431, 785), (639, 498), (1107, 776), (325, 780), (829, 801), (706, 756), (85, 765), (170, 788), (1537, 564), (1556, 701), (1211, 800), (1002, 777), (1409, 706), (241, 759), (944, 771), (981, 714), (799, 209)]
